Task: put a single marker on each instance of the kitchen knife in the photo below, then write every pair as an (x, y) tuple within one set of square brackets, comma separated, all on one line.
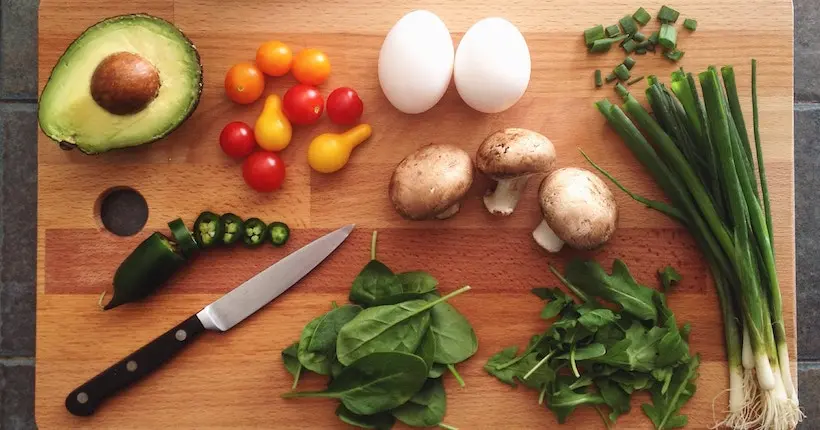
[(221, 315)]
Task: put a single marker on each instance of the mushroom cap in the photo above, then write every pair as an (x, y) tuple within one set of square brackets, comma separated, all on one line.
[(430, 181), (513, 152), (579, 207)]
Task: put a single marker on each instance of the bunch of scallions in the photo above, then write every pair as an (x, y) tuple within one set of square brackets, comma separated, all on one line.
[(698, 152)]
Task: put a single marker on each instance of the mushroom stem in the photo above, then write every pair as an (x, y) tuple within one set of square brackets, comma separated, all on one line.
[(452, 210), (504, 198), (546, 238)]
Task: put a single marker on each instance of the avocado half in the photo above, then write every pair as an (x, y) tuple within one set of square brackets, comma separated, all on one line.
[(125, 81)]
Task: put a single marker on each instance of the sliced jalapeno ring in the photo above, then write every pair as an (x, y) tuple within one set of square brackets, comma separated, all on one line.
[(255, 232), (183, 237), (233, 228), (208, 230), (279, 233)]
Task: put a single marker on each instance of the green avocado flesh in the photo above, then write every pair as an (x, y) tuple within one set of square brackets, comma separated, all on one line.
[(70, 115)]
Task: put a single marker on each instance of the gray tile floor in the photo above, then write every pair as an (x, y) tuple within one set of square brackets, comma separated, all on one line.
[(18, 191)]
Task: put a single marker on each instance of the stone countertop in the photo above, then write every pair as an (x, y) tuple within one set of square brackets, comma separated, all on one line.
[(18, 207)]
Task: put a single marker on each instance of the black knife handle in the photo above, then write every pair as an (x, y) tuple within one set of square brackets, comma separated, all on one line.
[(85, 399)]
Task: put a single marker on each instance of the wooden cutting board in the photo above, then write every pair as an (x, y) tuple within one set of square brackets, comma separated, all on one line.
[(235, 379)]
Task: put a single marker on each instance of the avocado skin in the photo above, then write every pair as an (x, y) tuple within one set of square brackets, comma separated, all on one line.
[(68, 146)]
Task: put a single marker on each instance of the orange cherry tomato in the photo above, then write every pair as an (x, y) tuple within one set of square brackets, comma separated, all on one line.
[(274, 58), (244, 83), (311, 66)]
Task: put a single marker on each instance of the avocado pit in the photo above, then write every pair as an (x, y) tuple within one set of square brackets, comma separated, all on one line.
[(124, 83)]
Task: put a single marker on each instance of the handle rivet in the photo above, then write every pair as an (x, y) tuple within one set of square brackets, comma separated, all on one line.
[(82, 398), (181, 335), (131, 366)]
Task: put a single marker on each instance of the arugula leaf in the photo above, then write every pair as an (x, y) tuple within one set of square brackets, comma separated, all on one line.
[(379, 421), (504, 374), (563, 401), (544, 375), (556, 299), (620, 287), (669, 277), (614, 396), (637, 351), (374, 283), (594, 319), (672, 348), (593, 350), (290, 359), (664, 412)]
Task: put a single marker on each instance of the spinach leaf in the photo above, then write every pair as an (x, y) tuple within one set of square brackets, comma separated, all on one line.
[(380, 421), (375, 282), (664, 412), (317, 345), (437, 370), (291, 360), (620, 287), (669, 277), (427, 350), (374, 383), (414, 285), (426, 408), (453, 335), (336, 368), (397, 327)]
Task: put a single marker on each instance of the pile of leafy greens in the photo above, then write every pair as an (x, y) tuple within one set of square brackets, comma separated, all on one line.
[(386, 352), (619, 337)]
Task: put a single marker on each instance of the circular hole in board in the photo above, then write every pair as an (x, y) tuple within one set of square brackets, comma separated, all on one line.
[(122, 211)]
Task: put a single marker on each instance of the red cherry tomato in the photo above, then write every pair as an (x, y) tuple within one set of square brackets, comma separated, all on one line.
[(264, 171), (303, 104), (237, 140), (344, 106)]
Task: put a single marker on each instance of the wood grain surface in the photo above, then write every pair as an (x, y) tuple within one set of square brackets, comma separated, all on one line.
[(234, 379)]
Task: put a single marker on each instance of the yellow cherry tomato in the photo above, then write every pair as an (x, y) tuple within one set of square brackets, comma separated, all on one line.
[(311, 66), (272, 130), (274, 58), (330, 152)]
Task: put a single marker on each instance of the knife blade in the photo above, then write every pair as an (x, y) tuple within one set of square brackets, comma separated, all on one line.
[(221, 315)]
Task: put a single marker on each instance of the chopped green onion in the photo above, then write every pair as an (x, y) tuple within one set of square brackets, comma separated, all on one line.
[(690, 24), (653, 38), (628, 24), (599, 82), (621, 90), (635, 81), (621, 72), (638, 36), (674, 55), (650, 47), (667, 14), (629, 62), (630, 45), (668, 36), (645, 45), (640, 51), (603, 45), (613, 30), (610, 77), (593, 34), (642, 16)]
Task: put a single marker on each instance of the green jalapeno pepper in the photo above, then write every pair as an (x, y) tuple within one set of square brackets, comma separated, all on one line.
[(183, 237), (208, 230), (255, 232), (278, 233), (149, 266), (233, 228)]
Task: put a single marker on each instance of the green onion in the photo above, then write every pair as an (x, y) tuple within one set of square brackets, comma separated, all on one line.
[(640, 51), (628, 24), (674, 55), (635, 81), (629, 62), (690, 24), (622, 72), (653, 38), (667, 14), (610, 78), (641, 16), (621, 90), (613, 30), (593, 34), (668, 36), (630, 45), (638, 36), (598, 80), (603, 45)]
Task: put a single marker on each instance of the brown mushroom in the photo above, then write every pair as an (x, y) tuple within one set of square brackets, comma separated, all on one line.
[(510, 157), (578, 209), (124, 83), (431, 182)]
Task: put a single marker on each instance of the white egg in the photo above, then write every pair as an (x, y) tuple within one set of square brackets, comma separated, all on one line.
[(416, 62), (492, 68)]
